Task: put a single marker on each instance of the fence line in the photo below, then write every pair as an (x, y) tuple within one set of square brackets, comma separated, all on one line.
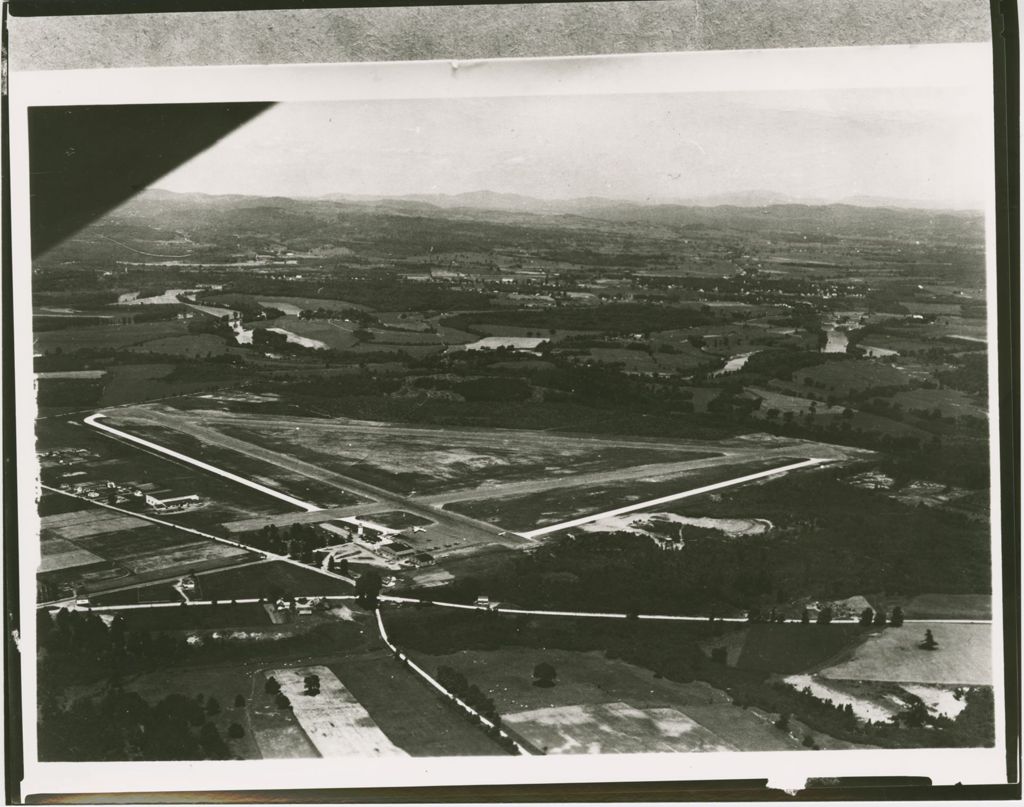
[(520, 749)]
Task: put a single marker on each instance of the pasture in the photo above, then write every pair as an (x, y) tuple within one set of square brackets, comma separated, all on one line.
[(963, 656), (599, 704), (187, 346), (99, 337), (271, 580), (842, 377), (411, 714), (335, 334), (949, 606), (949, 402), (792, 648)]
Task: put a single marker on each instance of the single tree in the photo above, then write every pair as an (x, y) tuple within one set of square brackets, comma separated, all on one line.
[(312, 684), (368, 588), (929, 642), (212, 706), (783, 722), (235, 731), (212, 743), (272, 687), (897, 617), (866, 616), (805, 617), (880, 618), (544, 675), (282, 702), (239, 701), (825, 615)]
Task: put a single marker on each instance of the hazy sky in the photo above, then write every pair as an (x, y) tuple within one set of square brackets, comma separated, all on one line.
[(920, 144)]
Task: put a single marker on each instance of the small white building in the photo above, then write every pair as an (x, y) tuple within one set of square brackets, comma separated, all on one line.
[(173, 503)]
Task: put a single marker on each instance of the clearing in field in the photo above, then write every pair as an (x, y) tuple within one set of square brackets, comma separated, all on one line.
[(963, 656), (335, 722)]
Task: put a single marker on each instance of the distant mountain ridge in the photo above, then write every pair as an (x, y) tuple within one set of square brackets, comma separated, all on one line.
[(158, 207), (515, 202)]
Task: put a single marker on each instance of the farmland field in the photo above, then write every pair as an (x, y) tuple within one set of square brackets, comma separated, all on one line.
[(101, 549), (843, 376), (407, 711), (950, 402), (599, 704), (335, 334), (142, 594), (963, 656), (335, 722), (106, 336), (194, 617), (194, 345), (795, 648), (267, 579), (949, 606)]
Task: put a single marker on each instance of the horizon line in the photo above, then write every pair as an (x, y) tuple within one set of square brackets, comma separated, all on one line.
[(862, 200)]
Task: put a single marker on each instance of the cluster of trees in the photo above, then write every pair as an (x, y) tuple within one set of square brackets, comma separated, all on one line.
[(854, 549), (357, 315), (877, 618), (470, 694), (297, 541), (272, 687), (121, 725), (487, 388)]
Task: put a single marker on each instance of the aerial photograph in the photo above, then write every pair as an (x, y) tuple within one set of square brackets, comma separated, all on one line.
[(525, 425)]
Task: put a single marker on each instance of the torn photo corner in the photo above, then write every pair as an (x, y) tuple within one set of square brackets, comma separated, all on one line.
[(591, 419)]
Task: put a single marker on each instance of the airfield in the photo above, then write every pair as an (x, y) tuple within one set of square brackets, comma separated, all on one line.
[(455, 495)]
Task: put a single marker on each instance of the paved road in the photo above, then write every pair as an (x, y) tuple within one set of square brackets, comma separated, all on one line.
[(96, 422), (649, 471), (397, 600), (632, 508)]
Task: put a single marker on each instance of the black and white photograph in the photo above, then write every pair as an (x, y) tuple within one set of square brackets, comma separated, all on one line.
[(526, 416)]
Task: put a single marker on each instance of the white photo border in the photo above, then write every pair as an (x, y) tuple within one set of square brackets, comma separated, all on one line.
[(961, 65)]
